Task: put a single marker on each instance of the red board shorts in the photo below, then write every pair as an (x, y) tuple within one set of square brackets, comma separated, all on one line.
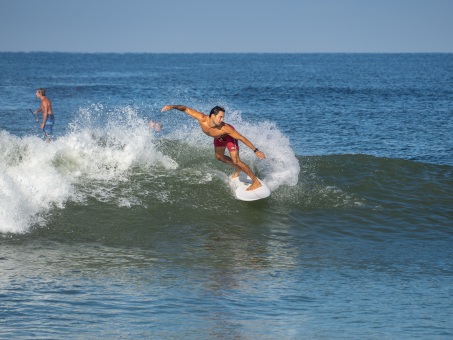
[(227, 141)]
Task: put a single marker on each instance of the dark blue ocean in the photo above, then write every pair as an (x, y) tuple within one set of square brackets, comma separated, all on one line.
[(116, 231)]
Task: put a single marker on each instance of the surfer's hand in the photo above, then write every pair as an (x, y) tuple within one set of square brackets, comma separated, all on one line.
[(260, 154), (166, 108)]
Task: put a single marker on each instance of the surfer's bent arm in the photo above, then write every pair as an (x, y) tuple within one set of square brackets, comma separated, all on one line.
[(238, 136), (191, 112), (44, 119)]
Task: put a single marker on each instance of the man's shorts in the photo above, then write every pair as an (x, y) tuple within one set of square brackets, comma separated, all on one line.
[(227, 141), (49, 124)]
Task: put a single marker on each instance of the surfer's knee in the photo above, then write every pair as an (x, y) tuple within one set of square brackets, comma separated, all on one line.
[(220, 157), (236, 161)]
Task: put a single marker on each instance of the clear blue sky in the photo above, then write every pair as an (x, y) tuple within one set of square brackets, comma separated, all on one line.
[(227, 25)]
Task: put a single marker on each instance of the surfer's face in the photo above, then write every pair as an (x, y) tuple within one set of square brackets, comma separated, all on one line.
[(218, 118)]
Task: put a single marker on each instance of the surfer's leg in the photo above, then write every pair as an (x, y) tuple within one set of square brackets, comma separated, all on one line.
[(47, 134), (238, 164), (220, 155)]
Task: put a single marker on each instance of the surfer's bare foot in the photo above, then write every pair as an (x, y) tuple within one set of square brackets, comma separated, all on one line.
[(254, 185)]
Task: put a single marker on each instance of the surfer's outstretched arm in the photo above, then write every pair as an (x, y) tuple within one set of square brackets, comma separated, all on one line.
[(236, 135), (191, 112)]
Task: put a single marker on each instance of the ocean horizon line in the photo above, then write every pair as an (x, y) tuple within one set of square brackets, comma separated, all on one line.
[(224, 52)]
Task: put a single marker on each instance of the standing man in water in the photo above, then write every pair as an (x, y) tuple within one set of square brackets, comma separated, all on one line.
[(225, 136), (48, 118)]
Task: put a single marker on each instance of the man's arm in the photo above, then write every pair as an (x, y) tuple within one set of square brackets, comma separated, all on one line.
[(191, 112), (236, 135), (44, 119)]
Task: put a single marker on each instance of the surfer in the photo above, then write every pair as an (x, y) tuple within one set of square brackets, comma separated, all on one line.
[(48, 118), (225, 136)]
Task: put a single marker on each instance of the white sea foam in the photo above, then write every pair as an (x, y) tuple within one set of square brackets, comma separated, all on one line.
[(281, 166), (36, 176), (30, 184)]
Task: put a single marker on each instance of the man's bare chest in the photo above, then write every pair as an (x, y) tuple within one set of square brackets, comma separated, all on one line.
[(214, 132)]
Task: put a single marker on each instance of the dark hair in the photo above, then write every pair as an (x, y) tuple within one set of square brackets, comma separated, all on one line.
[(215, 110), (42, 91)]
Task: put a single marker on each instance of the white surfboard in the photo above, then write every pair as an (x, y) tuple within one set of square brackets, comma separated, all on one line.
[(240, 185)]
